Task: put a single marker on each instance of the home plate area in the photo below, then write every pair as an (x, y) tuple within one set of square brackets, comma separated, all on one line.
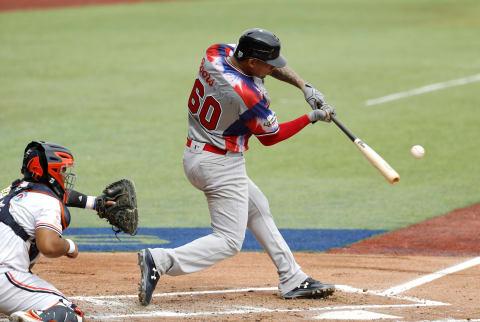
[(251, 303), (243, 288)]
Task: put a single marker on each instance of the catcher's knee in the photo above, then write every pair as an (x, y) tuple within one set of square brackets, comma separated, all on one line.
[(62, 312)]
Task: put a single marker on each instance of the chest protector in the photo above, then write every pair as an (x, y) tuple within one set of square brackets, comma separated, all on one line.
[(7, 218)]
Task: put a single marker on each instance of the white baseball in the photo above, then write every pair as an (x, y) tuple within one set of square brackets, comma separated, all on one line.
[(417, 151)]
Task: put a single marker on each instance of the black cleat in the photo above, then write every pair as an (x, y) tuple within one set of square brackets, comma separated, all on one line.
[(149, 276), (311, 288)]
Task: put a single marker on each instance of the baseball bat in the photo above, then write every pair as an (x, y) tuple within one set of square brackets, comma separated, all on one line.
[(376, 160)]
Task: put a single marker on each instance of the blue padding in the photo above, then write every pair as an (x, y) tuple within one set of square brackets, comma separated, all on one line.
[(103, 239)]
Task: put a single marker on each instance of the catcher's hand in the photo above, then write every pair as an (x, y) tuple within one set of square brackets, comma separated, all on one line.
[(118, 204)]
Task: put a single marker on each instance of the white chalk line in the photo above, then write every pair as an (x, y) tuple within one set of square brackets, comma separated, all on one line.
[(249, 310), (239, 290), (424, 89), (430, 277), (100, 300)]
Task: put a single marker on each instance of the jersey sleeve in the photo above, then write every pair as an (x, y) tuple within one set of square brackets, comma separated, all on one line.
[(50, 216), (285, 131), (260, 120)]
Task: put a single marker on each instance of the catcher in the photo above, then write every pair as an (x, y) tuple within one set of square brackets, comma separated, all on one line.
[(33, 214)]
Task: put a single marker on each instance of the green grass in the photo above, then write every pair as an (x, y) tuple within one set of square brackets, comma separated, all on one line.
[(111, 83)]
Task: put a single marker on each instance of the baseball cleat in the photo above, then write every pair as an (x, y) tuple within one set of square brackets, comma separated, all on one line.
[(149, 276), (55, 313), (24, 316), (311, 288)]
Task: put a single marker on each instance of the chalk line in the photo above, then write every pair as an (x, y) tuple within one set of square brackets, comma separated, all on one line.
[(430, 277), (424, 89), (235, 310)]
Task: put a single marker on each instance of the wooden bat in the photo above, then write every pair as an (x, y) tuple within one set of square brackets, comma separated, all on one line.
[(377, 161)]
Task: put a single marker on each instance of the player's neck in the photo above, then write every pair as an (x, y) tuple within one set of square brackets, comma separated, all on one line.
[(238, 65)]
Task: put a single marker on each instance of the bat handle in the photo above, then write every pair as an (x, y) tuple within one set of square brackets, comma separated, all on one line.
[(344, 128)]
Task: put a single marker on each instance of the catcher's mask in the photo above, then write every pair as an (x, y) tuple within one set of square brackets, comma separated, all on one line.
[(49, 163), (260, 44)]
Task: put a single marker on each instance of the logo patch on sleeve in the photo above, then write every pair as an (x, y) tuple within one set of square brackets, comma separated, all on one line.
[(271, 120)]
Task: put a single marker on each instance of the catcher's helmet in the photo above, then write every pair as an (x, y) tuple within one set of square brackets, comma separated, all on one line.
[(49, 163), (262, 45)]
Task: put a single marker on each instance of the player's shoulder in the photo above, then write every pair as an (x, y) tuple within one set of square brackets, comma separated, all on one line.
[(37, 199), (219, 50)]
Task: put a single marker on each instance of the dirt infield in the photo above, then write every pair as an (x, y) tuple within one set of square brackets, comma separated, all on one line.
[(379, 278), (104, 286), (455, 234)]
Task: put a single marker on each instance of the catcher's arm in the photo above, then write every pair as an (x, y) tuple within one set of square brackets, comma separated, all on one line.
[(52, 245), (79, 200)]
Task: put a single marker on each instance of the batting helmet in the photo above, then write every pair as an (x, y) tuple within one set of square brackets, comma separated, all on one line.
[(260, 44), (51, 164)]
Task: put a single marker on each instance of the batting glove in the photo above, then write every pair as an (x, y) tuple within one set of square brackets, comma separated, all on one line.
[(313, 96), (325, 114)]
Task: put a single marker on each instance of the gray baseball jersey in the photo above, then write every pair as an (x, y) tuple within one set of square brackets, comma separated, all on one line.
[(226, 106)]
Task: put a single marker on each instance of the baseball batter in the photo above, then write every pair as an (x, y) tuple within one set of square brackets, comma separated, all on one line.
[(228, 104)]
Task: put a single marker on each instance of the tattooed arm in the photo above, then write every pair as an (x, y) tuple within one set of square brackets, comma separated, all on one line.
[(313, 96), (288, 75)]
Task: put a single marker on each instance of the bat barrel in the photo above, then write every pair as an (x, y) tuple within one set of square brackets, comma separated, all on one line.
[(373, 157)]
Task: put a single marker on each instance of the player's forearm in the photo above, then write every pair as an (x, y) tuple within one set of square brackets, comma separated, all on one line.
[(58, 248), (79, 200), (285, 131), (50, 244), (288, 75)]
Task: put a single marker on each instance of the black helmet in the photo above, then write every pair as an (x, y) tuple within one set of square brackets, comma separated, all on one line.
[(51, 164), (262, 45)]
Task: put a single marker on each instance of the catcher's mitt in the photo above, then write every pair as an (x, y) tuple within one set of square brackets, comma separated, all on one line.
[(123, 214)]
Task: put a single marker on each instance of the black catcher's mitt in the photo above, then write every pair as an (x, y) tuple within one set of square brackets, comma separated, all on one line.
[(124, 213)]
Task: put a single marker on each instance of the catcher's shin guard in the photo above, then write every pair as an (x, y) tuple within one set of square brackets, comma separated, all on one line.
[(58, 312), (149, 276)]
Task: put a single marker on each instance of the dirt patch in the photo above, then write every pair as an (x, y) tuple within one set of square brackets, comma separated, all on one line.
[(104, 285), (454, 234)]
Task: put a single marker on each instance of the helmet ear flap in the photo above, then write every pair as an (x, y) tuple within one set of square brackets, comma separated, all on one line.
[(34, 158), (35, 169)]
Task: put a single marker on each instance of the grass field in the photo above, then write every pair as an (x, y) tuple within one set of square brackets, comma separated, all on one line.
[(111, 83)]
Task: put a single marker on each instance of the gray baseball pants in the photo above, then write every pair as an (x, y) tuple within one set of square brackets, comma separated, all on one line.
[(235, 203)]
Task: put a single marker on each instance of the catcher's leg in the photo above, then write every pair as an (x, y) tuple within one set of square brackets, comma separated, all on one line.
[(60, 312), (22, 292)]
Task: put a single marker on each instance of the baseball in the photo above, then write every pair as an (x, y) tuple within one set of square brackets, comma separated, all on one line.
[(417, 151)]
